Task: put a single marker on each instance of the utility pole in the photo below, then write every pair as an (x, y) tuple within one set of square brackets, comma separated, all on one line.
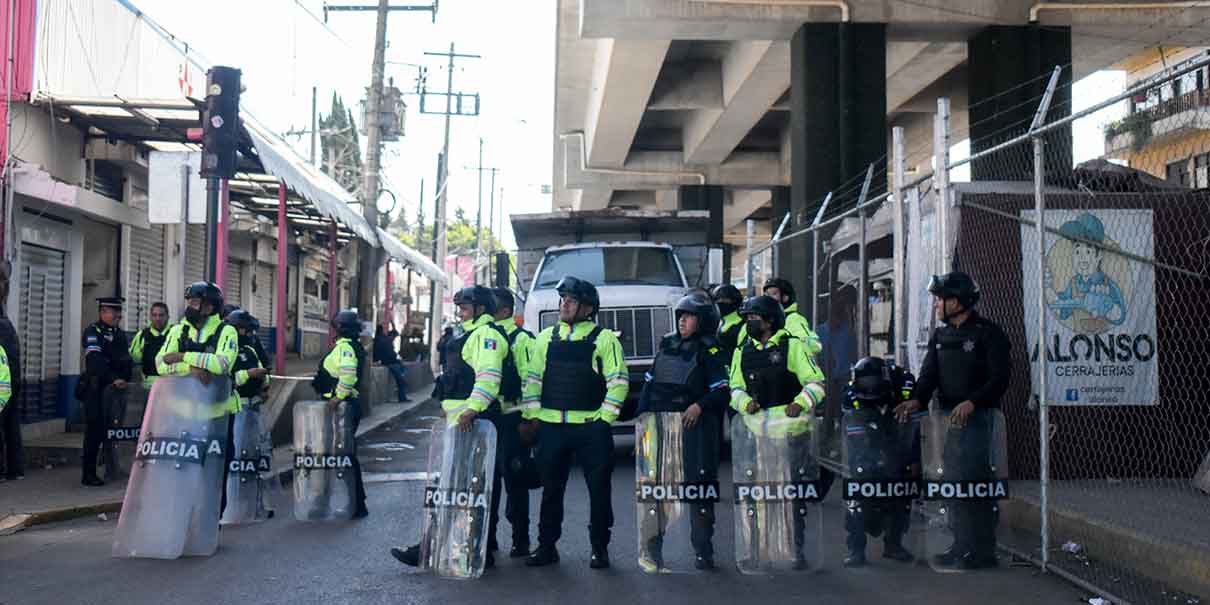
[(314, 124), (479, 212), (367, 255), (442, 186)]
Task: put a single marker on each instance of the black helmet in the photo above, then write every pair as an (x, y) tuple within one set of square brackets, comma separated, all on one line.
[(227, 310), (783, 285), (955, 285), (241, 319), (584, 292), (347, 324), (699, 304), (726, 292), (476, 295), (767, 308), (504, 298), (255, 325), (871, 379), (206, 291)]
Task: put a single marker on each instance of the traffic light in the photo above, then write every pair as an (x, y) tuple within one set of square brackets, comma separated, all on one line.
[(220, 124)]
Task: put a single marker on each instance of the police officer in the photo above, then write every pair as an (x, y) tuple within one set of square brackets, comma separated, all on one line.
[(249, 373), (879, 449), (148, 342), (967, 366), (689, 376), (773, 370), (514, 463), (577, 384), (201, 345), (339, 380), (474, 356), (728, 299), (107, 368), (782, 291)]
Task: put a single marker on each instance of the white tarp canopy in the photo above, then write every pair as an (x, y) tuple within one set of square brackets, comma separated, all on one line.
[(411, 258), (332, 200)]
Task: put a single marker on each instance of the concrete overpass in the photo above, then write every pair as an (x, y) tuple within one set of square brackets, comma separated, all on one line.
[(758, 108)]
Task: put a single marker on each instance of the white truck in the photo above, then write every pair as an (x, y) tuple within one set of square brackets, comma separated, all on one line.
[(642, 263)]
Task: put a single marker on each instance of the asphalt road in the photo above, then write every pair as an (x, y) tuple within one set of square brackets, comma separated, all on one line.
[(285, 561)]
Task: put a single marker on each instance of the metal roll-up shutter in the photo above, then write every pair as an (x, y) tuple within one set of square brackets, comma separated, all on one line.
[(233, 290), (145, 281), (42, 276), (195, 253), (262, 294)]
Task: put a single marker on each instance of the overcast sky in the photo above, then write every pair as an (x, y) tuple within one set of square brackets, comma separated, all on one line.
[(284, 48)]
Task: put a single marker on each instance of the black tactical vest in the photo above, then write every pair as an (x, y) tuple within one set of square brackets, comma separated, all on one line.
[(459, 377), (767, 374), (677, 379), (325, 383), (510, 382), (245, 360), (962, 358), (570, 382), (210, 345), (151, 347)]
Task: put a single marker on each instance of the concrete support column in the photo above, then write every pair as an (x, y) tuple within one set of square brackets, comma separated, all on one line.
[(781, 202), (1009, 69), (837, 124), (706, 197)]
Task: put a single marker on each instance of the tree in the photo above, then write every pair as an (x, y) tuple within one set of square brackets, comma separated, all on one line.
[(340, 146)]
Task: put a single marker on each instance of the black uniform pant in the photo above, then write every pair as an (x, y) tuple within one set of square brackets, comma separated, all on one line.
[(511, 455), (969, 450), (95, 423), (355, 420), (700, 458), (592, 445), (886, 518), (10, 435)]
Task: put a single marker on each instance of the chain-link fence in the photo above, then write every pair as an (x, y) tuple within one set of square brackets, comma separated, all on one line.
[(1106, 307)]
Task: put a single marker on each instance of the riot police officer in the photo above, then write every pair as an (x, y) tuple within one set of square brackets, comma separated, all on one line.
[(474, 356), (339, 379), (728, 299), (201, 345), (107, 368), (577, 384), (148, 342), (882, 452), (514, 462), (782, 291), (967, 365), (773, 370), (250, 375), (689, 376)]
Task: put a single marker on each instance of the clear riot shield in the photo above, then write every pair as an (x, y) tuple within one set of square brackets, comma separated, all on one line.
[(966, 478), (247, 473), (676, 487), (775, 469), (172, 500), (881, 464), (324, 481), (457, 497)]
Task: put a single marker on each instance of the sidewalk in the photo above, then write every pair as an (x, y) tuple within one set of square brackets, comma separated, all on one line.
[(51, 495)]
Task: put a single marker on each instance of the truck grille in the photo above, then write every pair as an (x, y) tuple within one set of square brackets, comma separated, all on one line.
[(641, 327)]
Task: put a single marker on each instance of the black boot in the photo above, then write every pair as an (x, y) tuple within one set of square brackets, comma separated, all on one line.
[(856, 558), (704, 563), (600, 558), (545, 555), (410, 557), (91, 481), (896, 552), (949, 557), (520, 549), (978, 561)]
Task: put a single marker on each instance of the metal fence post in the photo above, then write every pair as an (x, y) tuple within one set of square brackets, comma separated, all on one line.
[(898, 243), (749, 275), (1043, 404), (863, 272), (815, 261), (941, 155)]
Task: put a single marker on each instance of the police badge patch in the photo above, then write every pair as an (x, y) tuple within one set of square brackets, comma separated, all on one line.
[(969, 346)]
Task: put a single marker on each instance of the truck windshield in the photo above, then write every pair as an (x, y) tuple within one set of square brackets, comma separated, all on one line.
[(615, 266)]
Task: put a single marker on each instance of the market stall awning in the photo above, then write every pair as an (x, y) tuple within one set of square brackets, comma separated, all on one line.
[(411, 258), (332, 200)]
